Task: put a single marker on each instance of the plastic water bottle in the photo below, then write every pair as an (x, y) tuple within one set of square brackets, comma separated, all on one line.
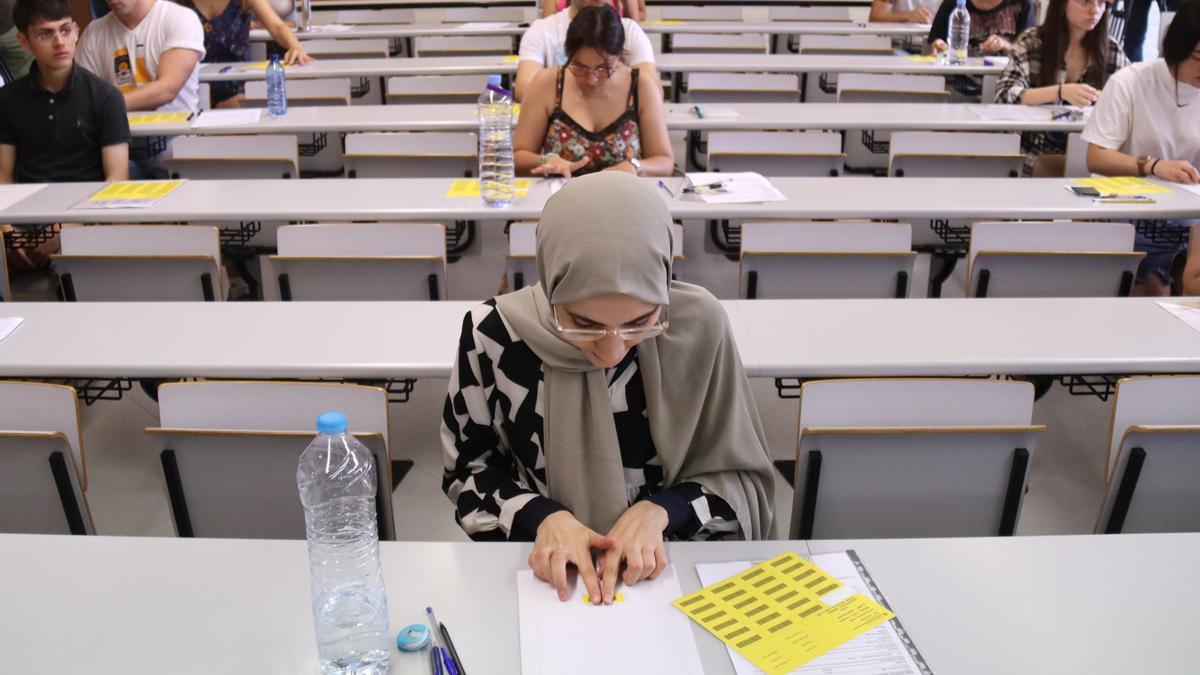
[(337, 484), (276, 88), (496, 167), (959, 33)]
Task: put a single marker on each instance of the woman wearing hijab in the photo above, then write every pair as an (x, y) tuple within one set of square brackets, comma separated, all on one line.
[(605, 407)]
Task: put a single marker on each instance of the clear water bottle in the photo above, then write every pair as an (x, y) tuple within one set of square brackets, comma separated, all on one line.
[(959, 33), (496, 167), (337, 485), (276, 88)]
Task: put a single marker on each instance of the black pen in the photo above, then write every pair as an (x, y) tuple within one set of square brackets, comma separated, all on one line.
[(453, 652)]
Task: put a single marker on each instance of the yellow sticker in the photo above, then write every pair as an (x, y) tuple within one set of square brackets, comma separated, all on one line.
[(1123, 185), (664, 22), (158, 118), (137, 190), (469, 187), (929, 58), (617, 597), (261, 65), (511, 58)]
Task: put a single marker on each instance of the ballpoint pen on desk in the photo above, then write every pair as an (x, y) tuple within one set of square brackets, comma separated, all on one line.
[(1119, 199), (453, 651), (225, 69), (718, 186), (663, 185), (435, 665), (447, 661)]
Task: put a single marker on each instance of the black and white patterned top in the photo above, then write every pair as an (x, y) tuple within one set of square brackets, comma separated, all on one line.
[(492, 429)]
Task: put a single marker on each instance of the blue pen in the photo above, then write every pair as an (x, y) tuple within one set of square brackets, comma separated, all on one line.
[(664, 186), (451, 668), (226, 69)]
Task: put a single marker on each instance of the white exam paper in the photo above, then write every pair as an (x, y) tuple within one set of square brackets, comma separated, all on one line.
[(477, 25), (1187, 312), (227, 118), (8, 325), (879, 651), (331, 28), (738, 187), (11, 194), (1194, 189), (644, 634)]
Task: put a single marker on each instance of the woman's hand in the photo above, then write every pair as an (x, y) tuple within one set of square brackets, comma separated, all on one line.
[(918, 15), (297, 56), (1177, 171), (625, 166), (557, 166), (938, 47), (562, 539), (1080, 94), (995, 44), (637, 540)]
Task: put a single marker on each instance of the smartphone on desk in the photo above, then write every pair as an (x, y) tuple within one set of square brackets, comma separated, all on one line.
[(1084, 191)]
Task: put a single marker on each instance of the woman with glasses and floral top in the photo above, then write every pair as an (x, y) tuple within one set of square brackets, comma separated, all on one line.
[(604, 409), (594, 114), (1065, 61)]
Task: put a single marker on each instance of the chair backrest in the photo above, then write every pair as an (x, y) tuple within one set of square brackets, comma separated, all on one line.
[(1051, 259), (205, 92), (361, 261), (520, 263), (43, 468), (912, 458), (302, 92), (483, 14), (347, 48), (960, 154), (225, 157), (375, 16), (462, 45), (416, 154), (140, 262), (705, 13), (800, 13), (777, 153), (1151, 465), (733, 43), (234, 447), (804, 259), (874, 88), (743, 88), (845, 44), (435, 88), (1076, 156)]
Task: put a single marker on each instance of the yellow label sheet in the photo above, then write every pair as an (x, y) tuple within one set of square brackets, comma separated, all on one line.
[(665, 22), (511, 58), (928, 58), (158, 118), (469, 187), (262, 65), (783, 613), (156, 189), (1123, 185)]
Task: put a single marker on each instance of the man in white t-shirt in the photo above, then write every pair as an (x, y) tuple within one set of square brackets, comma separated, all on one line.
[(542, 45), (903, 11)]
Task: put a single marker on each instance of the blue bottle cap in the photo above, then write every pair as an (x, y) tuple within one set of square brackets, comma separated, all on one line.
[(332, 422), (494, 80)]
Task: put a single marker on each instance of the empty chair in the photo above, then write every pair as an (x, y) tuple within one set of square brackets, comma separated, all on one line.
[(353, 48), (225, 157), (205, 92), (949, 153), (43, 472), (462, 45), (826, 260), (776, 153), (743, 88), (732, 43), (483, 14), (521, 262), (1076, 166), (140, 263), (374, 16), (912, 458), (435, 88), (1051, 259), (705, 13), (361, 261), (230, 450), (416, 154), (1153, 457), (302, 92), (868, 149)]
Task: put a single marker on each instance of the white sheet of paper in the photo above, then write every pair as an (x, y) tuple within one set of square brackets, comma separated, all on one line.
[(1194, 189), (8, 325), (227, 118), (116, 204), (740, 187), (644, 634), (1012, 113), (879, 651), (1187, 312), (11, 194), (331, 28), (477, 25)]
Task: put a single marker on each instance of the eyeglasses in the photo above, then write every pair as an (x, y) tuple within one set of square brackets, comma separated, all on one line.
[(601, 72), (585, 335), (64, 31)]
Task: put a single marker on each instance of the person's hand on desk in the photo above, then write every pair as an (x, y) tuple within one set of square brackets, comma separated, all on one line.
[(637, 538), (562, 539), (1177, 171), (938, 47), (994, 44), (918, 15), (1080, 94), (557, 166), (296, 56), (623, 166)]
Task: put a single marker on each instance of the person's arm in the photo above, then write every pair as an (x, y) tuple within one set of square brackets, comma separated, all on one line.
[(658, 158), (279, 31), (1191, 271), (940, 27), (1108, 162), (116, 162), (1013, 85), (8, 162), (635, 9), (531, 131), (549, 7), (526, 71), (881, 12), (174, 68)]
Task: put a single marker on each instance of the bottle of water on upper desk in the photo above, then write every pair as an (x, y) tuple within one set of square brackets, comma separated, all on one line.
[(496, 167), (276, 88), (959, 34)]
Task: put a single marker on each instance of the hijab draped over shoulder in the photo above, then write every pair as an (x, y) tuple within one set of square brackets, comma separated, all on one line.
[(611, 233)]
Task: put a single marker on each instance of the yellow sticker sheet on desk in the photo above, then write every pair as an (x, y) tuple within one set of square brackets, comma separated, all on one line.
[(469, 187), (511, 58), (150, 189), (158, 118), (1123, 185), (928, 58), (783, 613), (665, 22), (262, 65)]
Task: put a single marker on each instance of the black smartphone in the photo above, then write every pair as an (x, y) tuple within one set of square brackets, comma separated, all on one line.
[(1085, 191)]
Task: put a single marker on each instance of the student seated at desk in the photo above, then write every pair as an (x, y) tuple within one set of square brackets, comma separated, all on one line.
[(606, 407), (12, 55), (634, 9), (1147, 123), (994, 24), (900, 11), (1066, 60), (59, 123), (595, 113), (543, 46), (226, 26)]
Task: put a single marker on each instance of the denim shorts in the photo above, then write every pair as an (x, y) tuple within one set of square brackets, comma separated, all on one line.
[(1160, 256)]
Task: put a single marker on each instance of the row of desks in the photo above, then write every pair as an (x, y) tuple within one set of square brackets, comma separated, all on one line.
[(776, 338), (675, 63), (841, 198), (680, 117), (319, 5), (973, 605)]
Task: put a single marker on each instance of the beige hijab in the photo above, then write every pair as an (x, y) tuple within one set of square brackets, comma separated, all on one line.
[(610, 232)]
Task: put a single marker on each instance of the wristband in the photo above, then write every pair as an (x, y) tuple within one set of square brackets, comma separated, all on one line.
[(1141, 165), (1150, 171)]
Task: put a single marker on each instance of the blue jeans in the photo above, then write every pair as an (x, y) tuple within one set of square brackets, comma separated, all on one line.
[(1160, 256)]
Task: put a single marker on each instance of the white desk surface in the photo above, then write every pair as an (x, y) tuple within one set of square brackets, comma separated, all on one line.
[(842, 197), (775, 338), (981, 605), (399, 30), (330, 5), (680, 116), (666, 63)]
